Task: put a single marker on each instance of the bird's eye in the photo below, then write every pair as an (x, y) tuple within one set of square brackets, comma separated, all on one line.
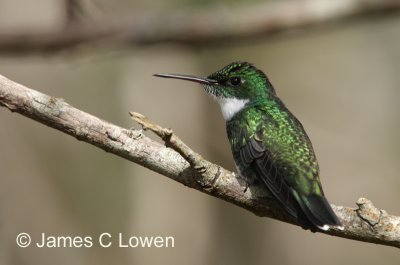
[(235, 81)]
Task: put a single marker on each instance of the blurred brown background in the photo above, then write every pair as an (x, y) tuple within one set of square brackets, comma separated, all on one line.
[(342, 82)]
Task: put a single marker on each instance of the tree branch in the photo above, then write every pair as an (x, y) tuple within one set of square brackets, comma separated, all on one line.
[(205, 27), (365, 223)]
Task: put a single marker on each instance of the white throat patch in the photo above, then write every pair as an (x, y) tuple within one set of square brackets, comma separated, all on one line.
[(231, 106)]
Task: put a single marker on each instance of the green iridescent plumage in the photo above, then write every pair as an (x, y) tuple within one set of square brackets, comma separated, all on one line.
[(268, 143)]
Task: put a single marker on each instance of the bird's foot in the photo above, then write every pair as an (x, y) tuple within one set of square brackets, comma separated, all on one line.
[(243, 182)]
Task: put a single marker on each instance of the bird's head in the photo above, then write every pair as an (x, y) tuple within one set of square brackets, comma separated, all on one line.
[(234, 86)]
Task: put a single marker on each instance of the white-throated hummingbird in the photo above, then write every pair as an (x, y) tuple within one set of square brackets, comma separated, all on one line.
[(268, 143)]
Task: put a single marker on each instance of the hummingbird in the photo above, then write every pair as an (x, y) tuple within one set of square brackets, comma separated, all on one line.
[(269, 144)]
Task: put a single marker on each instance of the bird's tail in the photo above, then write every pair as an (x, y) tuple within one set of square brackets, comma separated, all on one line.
[(319, 213)]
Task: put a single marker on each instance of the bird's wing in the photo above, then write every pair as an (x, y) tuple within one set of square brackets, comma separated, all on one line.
[(269, 171), (282, 157), (251, 154)]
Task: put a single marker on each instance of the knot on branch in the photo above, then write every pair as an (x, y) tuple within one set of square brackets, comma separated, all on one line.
[(383, 225), (368, 212)]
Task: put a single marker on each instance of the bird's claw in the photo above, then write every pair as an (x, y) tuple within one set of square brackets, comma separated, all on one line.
[(246, 187), (243, 181)]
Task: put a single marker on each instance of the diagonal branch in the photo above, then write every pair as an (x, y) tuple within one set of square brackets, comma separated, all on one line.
[(365, 223), (205, 27)]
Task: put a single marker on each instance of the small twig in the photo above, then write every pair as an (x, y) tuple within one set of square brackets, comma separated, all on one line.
[(173, 141)]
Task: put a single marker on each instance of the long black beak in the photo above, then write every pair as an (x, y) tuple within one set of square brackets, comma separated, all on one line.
[(201, 80)]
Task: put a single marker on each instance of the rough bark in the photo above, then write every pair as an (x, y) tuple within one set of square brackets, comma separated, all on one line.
[(195, 28), (178, 162)]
